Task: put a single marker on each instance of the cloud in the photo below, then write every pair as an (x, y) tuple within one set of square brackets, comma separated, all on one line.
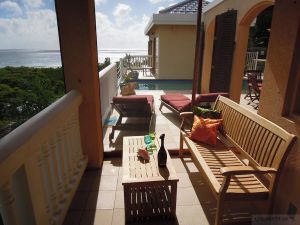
[(160, 1), (37, 30), (156, 1), (121, 10), (121, 14), (33, 4), (112, 36), (11, 7), (98, 2)]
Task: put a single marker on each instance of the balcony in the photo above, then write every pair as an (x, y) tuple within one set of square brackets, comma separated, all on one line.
[(43, 173), (44, 156)]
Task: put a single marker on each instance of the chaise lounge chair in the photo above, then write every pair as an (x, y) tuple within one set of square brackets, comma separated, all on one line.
[(140, 106), (179, 103)]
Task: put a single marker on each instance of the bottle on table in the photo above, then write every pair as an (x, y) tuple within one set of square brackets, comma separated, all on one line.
[(162, 154)]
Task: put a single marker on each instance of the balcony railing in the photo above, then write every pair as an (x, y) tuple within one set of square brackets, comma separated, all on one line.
[(135, 62), (41, 163)]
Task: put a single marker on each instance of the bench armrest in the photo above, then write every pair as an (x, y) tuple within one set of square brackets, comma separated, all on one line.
[(240, 170), (185, 116)]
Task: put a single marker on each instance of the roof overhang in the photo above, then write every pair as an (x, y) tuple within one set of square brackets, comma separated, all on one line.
[(170, 19)]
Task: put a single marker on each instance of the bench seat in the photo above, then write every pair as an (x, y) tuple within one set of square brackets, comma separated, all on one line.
[(212, 158)]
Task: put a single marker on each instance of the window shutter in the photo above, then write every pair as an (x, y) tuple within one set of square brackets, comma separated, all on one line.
[(224, 43)]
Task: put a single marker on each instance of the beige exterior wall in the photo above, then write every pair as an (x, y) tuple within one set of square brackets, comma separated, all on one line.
[(247, 11), (281, 73), (176, 51)]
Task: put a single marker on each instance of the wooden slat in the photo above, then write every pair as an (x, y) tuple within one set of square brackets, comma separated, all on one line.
[(273, 152), (256, 137), (266, 145), (250, 138), (243, 129), (246, 133), (236, 126), (259, 144)]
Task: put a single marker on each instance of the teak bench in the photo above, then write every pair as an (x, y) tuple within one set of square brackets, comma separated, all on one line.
[(247, 160)]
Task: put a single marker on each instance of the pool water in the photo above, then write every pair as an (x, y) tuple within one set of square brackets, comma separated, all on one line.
[(147, 84)]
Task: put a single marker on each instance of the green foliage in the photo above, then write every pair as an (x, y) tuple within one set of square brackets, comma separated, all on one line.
[(101, 66), (25, 91)]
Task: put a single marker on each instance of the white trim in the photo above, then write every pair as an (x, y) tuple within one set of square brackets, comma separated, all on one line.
[(170, 19)]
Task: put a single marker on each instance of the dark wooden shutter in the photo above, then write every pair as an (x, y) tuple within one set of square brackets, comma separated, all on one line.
[(154, 56), (224, 43)]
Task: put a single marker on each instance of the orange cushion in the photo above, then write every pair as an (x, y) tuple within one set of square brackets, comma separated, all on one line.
[(205, 130)]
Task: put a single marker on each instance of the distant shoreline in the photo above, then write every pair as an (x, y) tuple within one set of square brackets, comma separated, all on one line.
[(52, 58)]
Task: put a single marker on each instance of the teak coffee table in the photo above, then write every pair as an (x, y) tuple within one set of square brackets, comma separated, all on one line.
[(148, 190)]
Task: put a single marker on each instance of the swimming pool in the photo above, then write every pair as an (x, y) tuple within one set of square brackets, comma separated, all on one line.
[(153, 84)]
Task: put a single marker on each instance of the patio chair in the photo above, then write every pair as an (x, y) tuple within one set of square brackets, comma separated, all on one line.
[(179, 103), (133, 106), (258, 75), (256, 87)]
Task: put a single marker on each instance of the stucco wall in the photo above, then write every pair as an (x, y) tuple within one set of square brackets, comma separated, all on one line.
[(176, 51), (283, 62), (247, 11)]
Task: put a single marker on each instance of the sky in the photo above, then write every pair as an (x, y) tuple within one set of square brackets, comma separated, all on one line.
[(31, 24)]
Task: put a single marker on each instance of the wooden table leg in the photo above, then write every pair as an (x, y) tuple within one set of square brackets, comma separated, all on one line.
[(127, 201), (173, 198)]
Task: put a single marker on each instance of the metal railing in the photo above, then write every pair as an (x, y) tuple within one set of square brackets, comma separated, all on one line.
[(41, 164), (135, 62)]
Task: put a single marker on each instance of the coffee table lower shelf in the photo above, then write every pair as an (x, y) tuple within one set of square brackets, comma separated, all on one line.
[(147, 200)]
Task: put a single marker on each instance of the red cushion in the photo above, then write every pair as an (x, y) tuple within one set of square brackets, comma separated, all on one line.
[(150, 100), (181, 106), (173, 97), (210, 97)]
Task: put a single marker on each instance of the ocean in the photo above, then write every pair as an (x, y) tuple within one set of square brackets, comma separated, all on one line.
[(51, 58)]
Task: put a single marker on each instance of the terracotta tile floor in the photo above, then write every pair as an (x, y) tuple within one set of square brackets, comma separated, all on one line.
[(100, 199)]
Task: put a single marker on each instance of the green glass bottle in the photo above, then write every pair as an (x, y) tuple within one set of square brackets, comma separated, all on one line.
[(162, 154)]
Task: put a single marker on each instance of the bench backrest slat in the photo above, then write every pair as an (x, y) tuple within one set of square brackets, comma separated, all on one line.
[(263, 141)]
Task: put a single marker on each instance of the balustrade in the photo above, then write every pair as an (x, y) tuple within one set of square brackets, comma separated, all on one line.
[(47, 150)]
